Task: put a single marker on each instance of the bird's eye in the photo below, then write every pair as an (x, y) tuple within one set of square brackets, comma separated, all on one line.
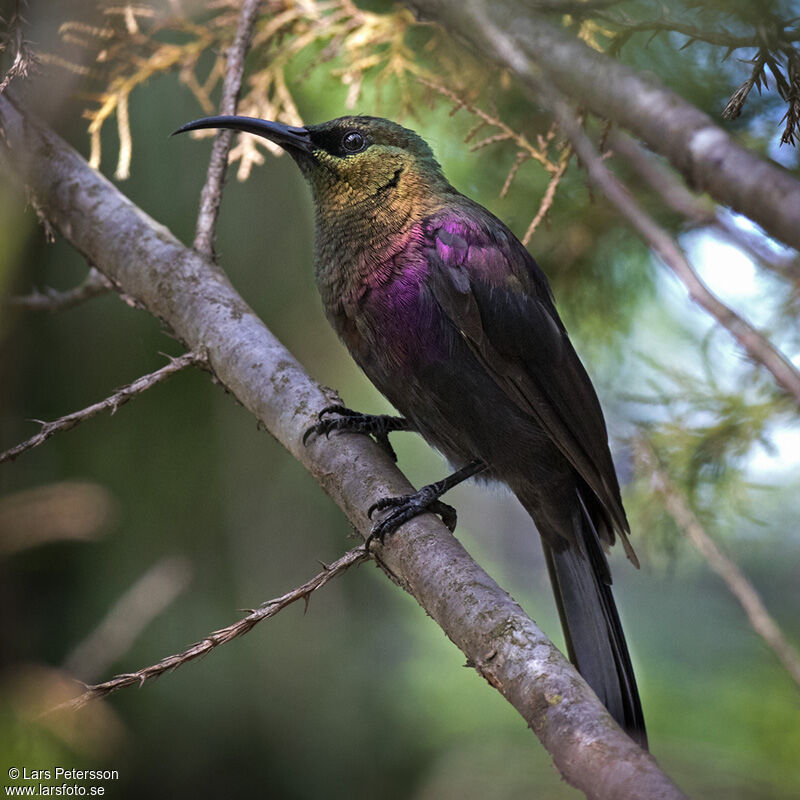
[(353, 142)]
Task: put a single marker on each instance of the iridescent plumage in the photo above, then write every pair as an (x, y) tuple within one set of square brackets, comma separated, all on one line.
[(450, 317)]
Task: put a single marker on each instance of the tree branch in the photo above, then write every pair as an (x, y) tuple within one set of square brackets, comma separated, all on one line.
[(738, 584), (509, 33), (95, 285), (211, 195), (198, 302), (757, 346), (699, 211), (112, 403), (718, 38), (219, 637)]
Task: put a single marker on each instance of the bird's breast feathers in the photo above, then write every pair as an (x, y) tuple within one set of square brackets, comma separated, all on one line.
[(390, 305)]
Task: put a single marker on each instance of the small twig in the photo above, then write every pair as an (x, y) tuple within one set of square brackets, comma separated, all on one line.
[(757, 78), (662, 179), (525, 151), (94, 285), (791, 95), (111, 403), (211, 195), (549, 195), (738, 584), (24, 58), (221, 636), (127, 618), (774, 43), (506, 133), (757, 346), (521, 158)]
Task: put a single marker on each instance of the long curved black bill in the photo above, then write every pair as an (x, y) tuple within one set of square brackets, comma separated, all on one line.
[(285, 135)]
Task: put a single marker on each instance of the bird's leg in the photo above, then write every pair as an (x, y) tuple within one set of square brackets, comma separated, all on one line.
[(377, 425), (426, 499)]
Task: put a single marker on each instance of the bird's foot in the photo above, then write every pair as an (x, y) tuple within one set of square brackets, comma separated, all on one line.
[(407, 507), (377, 425)]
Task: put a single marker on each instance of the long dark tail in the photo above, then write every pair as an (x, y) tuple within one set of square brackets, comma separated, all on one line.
[(595, 642)]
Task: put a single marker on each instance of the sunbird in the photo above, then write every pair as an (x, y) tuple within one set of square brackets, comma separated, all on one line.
[(453, 321)]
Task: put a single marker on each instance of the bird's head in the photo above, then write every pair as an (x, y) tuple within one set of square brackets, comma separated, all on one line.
[(352, 163)]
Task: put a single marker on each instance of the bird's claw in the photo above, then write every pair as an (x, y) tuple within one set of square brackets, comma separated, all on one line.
[(325, 426), (337, 408), (406, 507), (353, 421)]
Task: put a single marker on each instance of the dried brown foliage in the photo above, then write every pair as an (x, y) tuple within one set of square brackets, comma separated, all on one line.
[(137, 43)]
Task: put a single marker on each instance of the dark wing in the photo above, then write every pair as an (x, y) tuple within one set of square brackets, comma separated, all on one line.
[(491, 288)]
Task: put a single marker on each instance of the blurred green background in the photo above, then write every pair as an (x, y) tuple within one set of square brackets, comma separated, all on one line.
[(362, 696)]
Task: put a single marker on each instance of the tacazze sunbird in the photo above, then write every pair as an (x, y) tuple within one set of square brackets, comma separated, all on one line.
[(453, 321)]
